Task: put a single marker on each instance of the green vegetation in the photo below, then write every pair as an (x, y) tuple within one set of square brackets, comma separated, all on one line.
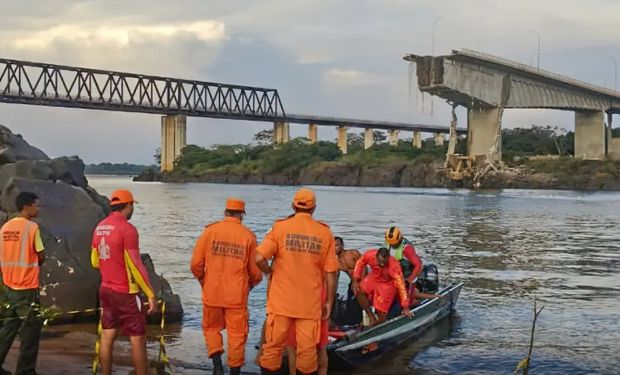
[(536, 140), (123, 169), (262, 157)]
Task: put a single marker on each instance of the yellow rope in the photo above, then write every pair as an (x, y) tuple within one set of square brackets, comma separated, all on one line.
[(97, 348), (163, 357)]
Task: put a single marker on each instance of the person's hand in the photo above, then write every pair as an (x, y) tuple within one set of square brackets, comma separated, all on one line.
[(152, 306), (407, 313), (327, 310), (355, 286)]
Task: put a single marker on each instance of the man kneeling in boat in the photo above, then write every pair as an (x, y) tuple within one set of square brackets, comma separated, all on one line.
[(382, 284)]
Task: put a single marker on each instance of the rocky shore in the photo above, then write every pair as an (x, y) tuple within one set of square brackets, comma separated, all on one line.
[(71, 210)]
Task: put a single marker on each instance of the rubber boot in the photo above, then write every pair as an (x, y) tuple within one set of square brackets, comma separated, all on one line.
[(218, 369), (235, 371)]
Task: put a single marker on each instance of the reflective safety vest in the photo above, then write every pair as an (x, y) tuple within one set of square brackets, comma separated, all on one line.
[(18, 253), (405, 264)]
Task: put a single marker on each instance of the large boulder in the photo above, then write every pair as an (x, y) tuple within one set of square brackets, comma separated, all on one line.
[(70, 211), (14, 148)]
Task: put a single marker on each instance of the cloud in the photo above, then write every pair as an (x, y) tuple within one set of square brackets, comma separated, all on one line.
[(348, 77), (326, 58), (120, 35)]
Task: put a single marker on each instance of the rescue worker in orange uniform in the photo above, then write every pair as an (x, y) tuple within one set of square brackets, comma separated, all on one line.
[(21, 254), (224, 262), (382, 284), (116, 253), (321, 347), (304, 253)]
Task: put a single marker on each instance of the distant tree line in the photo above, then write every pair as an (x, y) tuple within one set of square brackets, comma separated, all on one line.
[(262, 156), (123, 169)]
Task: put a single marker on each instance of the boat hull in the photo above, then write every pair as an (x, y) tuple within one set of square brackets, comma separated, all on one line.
[(370, 345)]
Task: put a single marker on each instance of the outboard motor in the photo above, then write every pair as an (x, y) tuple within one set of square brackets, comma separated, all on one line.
[(428, 281)]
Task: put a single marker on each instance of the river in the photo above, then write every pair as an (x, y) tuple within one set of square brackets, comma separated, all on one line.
[(508, 247)]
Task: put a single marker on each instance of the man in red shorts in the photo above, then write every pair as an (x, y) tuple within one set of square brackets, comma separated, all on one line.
[(381, 285), (116, 253)]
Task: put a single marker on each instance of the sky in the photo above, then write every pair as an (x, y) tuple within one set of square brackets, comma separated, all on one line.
[(333, 58)]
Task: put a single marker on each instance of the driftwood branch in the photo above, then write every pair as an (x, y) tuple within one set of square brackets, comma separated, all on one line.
[(524, 364)]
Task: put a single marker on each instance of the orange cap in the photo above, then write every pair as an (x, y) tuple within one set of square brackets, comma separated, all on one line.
[(304, 198), (121, 196), (233, 204)]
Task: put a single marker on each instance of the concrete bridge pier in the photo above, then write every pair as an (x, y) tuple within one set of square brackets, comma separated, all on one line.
[(439, 139), (369, 138), (417, 139), (589, 134), (483, 130), (173, 140), (342, 139), (313, 133), (393, 137), (280, 132)]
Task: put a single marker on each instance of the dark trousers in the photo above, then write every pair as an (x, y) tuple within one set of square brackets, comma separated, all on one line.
[(20, 309)]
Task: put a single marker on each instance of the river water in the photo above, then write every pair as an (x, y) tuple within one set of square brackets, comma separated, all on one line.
[(508, 247)]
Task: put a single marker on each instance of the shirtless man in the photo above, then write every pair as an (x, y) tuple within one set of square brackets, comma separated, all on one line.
[(346, 258)]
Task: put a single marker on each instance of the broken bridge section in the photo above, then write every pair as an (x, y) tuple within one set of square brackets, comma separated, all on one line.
[(486, 85)]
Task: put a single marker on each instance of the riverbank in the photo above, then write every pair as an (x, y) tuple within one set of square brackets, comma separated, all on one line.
[(551, 173)]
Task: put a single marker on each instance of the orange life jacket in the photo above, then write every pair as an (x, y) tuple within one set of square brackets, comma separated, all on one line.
[(18, 255)]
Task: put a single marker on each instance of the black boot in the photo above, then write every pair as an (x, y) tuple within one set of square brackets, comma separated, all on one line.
[(218, 369), (264, 371), (235, 371)]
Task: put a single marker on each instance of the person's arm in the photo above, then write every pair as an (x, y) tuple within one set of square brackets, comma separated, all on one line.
[(267, 250), (197, 264), (136, 267), (358, 273), (351, 261), (253, 271), (330, 283), (38, 246), (421, 295), (412, 256), (330, 267), (399, 281)]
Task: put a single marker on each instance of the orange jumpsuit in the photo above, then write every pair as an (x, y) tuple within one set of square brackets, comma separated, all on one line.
[(303, 249), (224, 261), (383, 283)]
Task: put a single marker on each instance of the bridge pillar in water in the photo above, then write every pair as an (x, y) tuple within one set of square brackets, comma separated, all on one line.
[(173, 140), (589, 135), (393, 137), (342, 139), (417, 139), (369, 138), (313, 133), (439, 139), (483, 133), (280, 132)]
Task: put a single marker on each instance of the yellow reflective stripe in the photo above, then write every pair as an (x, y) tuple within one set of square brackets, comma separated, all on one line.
[(20, 264), (94, 257), (137, 276)]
